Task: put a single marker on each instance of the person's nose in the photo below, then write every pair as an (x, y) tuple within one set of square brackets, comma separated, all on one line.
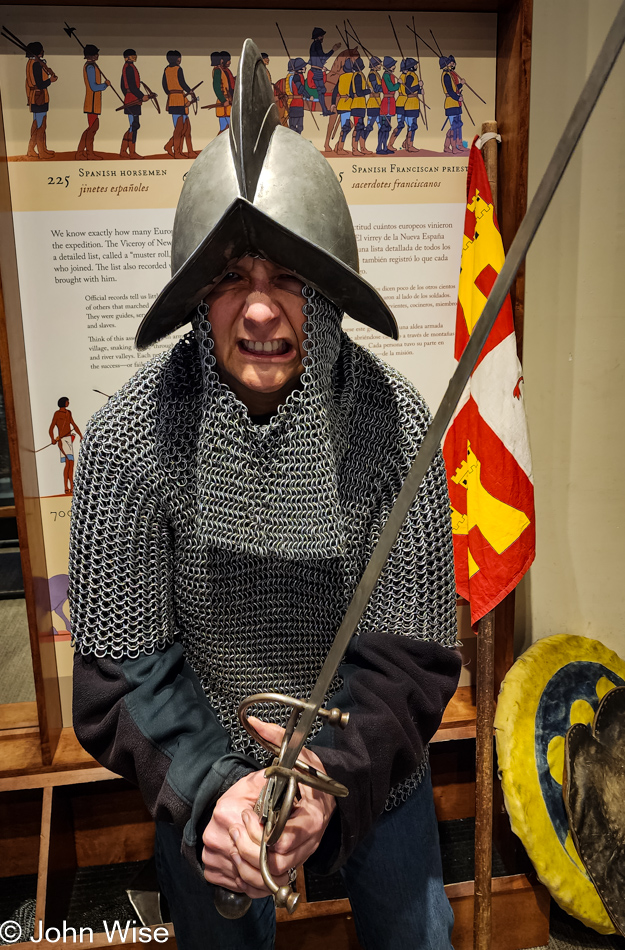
[(261, 313)]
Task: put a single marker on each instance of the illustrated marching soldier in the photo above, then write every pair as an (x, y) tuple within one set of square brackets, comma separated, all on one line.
[(133, 99), (412, 106), (452, 87), (95, 84), (38, 78), (388, 109), (359, 108), (318, 58), (223, 86), (297, 93), (342, 97), (178, 90), (66, 429), (375, 96), (400, 103)]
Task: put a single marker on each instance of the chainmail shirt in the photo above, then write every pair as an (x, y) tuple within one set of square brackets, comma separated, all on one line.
[(246, 541)]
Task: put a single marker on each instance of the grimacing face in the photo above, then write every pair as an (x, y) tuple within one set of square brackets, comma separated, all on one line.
[(256, 318)]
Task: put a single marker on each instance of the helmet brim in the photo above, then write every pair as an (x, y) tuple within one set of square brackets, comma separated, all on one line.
[(245, 229)]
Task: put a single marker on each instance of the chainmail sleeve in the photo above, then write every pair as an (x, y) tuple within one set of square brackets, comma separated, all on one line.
[(138, 706), (120, 570)]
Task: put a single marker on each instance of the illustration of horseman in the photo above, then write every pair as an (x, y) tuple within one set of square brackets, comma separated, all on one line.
[(452, 87), (95, 84), (390, 85), (133, 99), (223, 86), (317, 74), (38, 78)]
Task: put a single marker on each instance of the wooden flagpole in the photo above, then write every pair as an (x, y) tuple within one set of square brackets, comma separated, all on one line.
[(485, 712)]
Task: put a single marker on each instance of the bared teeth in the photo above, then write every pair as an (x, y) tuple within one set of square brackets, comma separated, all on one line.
[(269, 346)]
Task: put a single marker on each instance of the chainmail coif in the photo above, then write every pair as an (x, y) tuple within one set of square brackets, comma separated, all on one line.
[(246, 541)]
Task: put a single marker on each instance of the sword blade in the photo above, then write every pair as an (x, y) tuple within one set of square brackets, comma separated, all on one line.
[(429, 447)]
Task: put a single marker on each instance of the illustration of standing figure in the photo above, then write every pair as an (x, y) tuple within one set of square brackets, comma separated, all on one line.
[(94, 87), (390, 85), (375, 97), (177, 89), (38, 78), (66, 428), (412, 106), (318, 58), (223, 86), (342, 97), (359, 108), (133, 98), (452, 86), (400, 103), (298, 92)]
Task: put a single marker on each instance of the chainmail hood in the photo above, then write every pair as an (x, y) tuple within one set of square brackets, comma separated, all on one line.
[(246, 541)]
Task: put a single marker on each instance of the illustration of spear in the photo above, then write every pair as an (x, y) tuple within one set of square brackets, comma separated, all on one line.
[(71, 31), (343, 39), (286, 49), (396, 37), (425, 106)]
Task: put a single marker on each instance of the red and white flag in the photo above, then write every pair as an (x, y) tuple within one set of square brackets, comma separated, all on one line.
[(486, 448)]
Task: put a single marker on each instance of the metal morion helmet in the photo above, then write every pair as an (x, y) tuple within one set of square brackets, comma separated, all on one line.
[(262, 189)]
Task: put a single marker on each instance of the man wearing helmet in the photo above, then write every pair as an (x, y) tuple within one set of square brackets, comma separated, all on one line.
[(268, 450)]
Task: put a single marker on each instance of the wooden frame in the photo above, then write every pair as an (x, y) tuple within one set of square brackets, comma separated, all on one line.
[(36, 752)]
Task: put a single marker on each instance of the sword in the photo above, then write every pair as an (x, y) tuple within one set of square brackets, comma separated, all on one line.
[(286, 771)]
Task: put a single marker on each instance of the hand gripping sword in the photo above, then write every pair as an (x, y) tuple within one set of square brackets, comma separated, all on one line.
[(287, 771)]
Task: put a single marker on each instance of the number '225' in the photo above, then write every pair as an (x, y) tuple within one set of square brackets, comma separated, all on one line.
[(58, 180)]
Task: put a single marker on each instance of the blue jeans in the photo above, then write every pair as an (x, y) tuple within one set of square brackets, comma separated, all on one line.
[(394, 880)]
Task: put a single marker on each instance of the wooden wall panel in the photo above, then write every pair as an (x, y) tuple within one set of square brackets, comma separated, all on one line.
[(24, 476)]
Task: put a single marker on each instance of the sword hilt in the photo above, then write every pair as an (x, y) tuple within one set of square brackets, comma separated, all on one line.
[(275, 802)]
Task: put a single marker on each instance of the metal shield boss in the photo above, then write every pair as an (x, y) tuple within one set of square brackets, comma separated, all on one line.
[(262, 189)]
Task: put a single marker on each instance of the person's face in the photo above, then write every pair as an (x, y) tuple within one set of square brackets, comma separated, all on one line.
[(256, 318), (131, 59)]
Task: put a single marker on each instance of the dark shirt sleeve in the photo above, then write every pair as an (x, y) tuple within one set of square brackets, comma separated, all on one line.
[(374, 82), (182, 80), (148, 720), (395, 689), (38, 75), (300, 86), (360, 87)]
